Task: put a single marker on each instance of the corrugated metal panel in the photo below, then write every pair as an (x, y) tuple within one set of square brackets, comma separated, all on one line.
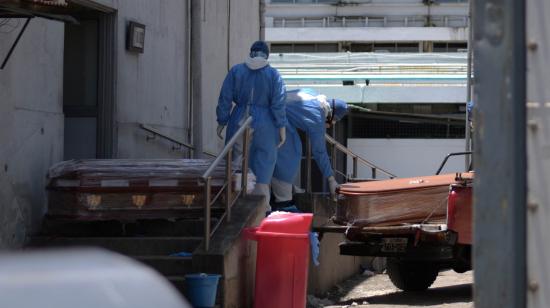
[(391, 78), (500, 154), (50, 2), (538, 148)]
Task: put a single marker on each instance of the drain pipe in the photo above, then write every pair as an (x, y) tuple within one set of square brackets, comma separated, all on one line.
[(228, 35), (261, 22), (189, 81), (467, 130), (197, 11)]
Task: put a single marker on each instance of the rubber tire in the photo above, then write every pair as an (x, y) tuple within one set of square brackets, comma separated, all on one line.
[(411, 276)]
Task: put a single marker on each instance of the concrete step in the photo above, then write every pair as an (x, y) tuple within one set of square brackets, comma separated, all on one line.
[(179, 283), (167, 265), (132, 246), (153, 227)]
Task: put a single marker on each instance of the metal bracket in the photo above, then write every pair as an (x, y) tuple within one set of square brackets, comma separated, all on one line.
[(15, 43)]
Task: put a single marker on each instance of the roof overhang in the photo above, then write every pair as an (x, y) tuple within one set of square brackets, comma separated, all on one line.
[(61, 10)]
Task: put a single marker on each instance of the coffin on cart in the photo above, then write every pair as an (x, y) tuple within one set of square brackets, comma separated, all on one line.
[(129, 188), (396, 201)]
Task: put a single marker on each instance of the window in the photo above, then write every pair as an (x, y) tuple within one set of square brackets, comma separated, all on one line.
[(384, 47), (361, 47), (450, 47), (304, 48), (457, 47), (281, 48), (404, 128), (401, 124), (407, 47)]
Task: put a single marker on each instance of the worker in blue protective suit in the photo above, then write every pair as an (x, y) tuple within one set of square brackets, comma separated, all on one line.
[(256, 89), (312, 113)]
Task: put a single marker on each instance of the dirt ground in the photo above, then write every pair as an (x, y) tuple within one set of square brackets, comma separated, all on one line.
[(450, 290)]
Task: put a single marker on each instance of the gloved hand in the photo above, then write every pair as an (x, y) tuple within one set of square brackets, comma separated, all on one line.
[(282, 136), (332, 185), (219, 131), (314, 242)]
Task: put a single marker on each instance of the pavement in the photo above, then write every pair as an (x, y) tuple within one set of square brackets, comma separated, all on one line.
[(450, 290)]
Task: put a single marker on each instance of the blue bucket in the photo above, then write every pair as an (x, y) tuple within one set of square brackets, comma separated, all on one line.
[(200, 289)]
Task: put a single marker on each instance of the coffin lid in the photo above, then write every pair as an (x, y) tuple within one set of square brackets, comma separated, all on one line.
[(398, 184)]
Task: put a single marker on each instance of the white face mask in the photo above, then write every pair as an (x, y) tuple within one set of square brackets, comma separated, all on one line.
[(256, 63)]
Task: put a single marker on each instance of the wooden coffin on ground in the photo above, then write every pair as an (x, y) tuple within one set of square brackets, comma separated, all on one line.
[(128, 188), (395, 201)]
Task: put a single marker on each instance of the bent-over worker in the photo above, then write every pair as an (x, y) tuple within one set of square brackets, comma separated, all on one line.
[(312, 113)]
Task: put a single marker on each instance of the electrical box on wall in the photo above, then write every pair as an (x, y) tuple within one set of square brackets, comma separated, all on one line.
[(135, 37)]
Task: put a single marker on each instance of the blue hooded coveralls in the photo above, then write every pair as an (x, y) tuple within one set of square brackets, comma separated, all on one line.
[(261, 90), (308, 116)]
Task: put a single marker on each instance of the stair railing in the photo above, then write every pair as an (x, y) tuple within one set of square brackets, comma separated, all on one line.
[(209, 200), (336, 146), (178, 143)]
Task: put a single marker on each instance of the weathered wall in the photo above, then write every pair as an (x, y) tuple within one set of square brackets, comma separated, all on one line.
[(334, 268), (245, 28), (152, 86), (226, 33), (423, 156), (233, 255), (31, 128)]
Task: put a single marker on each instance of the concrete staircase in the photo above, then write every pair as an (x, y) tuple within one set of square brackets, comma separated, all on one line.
[(153, 241), (149, 241)]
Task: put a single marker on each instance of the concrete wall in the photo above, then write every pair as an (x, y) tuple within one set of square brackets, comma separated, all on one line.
[(152, 86), (449, 93), (370, 34), (214, 65), (31, 129), (233, 255), (333, 268), (245, 28), (407, 157), (218, 49)]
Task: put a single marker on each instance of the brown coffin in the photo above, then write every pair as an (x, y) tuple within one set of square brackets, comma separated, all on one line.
[(128, 188), (396, 201)]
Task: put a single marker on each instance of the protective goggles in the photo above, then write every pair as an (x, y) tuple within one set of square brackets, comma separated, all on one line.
[(258, 53)]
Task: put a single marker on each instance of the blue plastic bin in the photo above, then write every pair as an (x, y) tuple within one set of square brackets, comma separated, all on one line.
[(200, 289)]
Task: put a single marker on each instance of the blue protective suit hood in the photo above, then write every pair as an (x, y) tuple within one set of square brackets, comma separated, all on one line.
[(340, 109), (260, 46)]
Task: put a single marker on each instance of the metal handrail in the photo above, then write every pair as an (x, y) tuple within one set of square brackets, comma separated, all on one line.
[(155, 133), (356, 158), (227, 153), (208, 153), (163, 136), (447, 158)]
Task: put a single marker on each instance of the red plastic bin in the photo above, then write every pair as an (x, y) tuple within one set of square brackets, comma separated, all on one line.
[(282, 260)]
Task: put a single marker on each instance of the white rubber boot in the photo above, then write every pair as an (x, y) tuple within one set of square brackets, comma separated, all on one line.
[(263, 190), (282, 191)]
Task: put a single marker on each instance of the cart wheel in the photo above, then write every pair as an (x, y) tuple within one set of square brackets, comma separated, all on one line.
[(412, 276)]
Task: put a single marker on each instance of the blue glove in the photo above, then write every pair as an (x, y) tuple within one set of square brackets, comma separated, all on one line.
[(470, 108), (181, 254), (314, 241)]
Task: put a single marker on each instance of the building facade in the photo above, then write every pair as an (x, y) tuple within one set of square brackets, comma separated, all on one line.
[(73, 88), (367, 25)]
